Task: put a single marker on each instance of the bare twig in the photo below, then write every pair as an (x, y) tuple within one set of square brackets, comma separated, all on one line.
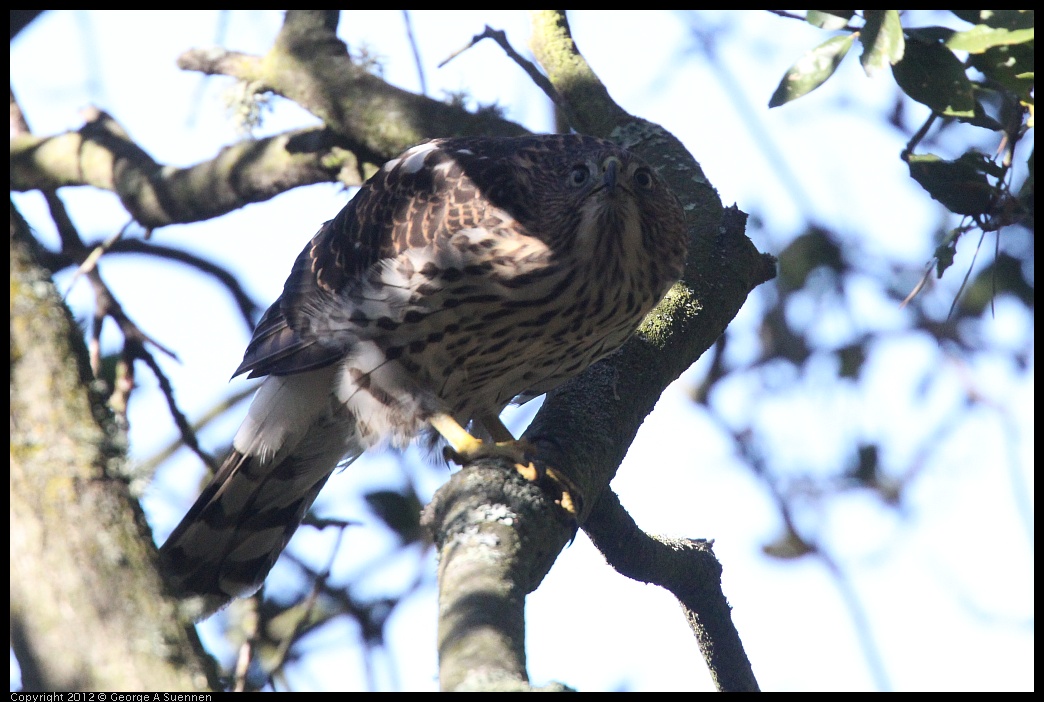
[(90, 262), (247, 307), (967, 275), (148, 466), (416, 51), (786, 15), (925, 279), (188, 435), (812, 547), (529, 67)]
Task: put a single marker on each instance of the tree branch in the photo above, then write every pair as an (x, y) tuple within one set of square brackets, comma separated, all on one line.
[(82, 556), (102, 154), (689, 570), (585, 426), (585, 100), (497, 536), (312, 67)]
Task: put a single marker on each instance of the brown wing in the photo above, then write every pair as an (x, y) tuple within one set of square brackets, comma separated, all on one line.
[(432, 190), (407, 203)]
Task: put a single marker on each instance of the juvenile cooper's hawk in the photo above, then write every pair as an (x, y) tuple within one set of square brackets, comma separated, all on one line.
[(465, 273)]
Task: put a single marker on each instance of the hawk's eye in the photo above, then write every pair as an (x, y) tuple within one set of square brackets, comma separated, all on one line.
[(579, 175), (643, 178)]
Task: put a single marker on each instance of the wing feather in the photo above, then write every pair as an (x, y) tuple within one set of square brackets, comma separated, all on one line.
[(432, 190)]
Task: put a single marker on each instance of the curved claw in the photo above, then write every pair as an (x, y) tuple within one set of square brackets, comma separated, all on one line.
[(464, 449)]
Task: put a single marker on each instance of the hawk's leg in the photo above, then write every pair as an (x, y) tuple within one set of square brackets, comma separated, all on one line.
[(464, 448)]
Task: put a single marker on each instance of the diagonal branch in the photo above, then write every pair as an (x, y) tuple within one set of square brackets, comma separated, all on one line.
[(500, 37), (312, 67), (585, 427), (689, 570), (103, 155)]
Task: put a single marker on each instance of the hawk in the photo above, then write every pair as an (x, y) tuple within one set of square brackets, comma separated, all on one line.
[(466, 273)]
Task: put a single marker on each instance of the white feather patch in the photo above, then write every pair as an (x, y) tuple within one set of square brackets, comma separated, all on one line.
[(395, 411), (413, 159), (284, 409)]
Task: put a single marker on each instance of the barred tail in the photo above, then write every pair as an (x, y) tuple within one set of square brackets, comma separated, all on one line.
[(287, 448)]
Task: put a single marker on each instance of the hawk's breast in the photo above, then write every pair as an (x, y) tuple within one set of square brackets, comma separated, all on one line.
[(504, 267)]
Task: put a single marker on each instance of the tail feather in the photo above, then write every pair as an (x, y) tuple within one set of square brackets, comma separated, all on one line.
[(232, 536)]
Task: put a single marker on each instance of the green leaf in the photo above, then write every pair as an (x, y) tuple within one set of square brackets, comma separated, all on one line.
[(981, 118), (812, 250), (980, 37), (1006, 19), (1004, 276), (1010, 65), (882, 40), (811, 70), (868, 469), (851, 359), (960, 185), (831, 20), (969, 16), (979, 162), (400, 512), (933, 76), (929, 35), (998, 19), (944, 255)]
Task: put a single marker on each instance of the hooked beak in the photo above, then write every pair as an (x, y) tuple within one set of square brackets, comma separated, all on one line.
[(611, 168)]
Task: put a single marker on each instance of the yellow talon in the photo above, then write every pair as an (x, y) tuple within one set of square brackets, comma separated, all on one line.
[(528, 471), (462, 443), (565, 500), (464, 448)]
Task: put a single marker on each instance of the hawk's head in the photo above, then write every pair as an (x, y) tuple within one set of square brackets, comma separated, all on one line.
[(603, 203), (583, 196)]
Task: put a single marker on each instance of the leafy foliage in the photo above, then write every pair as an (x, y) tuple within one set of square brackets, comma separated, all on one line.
[(991, 87)]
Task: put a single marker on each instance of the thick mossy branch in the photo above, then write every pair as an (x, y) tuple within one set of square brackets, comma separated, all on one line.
[(87, 607), (586, 426), (101, 154)]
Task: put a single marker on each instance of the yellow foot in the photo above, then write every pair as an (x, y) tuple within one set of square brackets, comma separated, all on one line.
[(464, 448)]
